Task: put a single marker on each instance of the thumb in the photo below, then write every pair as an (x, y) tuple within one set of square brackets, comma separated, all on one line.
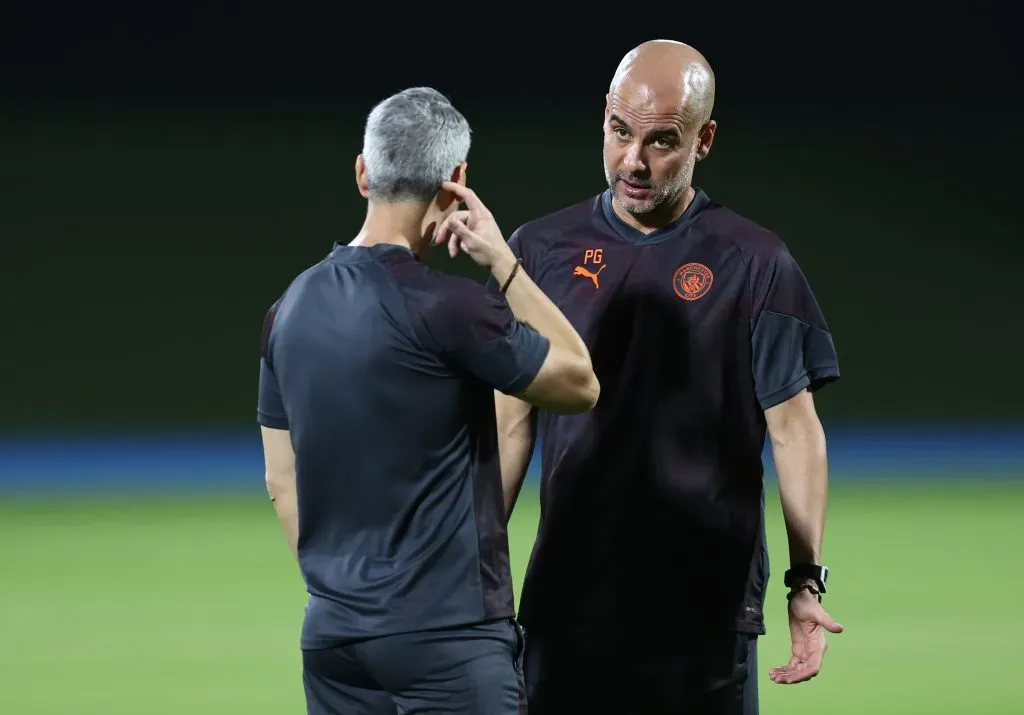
[(828, 622)]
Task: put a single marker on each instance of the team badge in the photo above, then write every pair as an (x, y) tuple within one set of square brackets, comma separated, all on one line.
[(692, 281)]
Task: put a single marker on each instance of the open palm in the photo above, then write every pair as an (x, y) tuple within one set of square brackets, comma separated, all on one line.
[(808, 624)]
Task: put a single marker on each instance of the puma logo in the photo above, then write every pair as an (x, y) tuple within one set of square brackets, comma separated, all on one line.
[(583, 272)]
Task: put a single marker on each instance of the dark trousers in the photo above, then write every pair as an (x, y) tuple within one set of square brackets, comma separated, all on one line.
[(704, 675), (472, 670)]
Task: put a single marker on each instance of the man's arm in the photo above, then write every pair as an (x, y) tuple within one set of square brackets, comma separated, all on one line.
[(516, 436), (280, 475), (564, 380), (278, 455), (793, 356), (798, 445)]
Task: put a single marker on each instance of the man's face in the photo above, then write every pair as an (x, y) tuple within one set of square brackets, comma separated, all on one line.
[(650, 149)]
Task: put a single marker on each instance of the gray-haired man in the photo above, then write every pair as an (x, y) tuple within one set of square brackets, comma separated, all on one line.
[(376, 403)]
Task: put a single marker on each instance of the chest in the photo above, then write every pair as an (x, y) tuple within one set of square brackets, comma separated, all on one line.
[(697, 288)]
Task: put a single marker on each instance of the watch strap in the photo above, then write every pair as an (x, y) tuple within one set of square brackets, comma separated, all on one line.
[(807, 572)]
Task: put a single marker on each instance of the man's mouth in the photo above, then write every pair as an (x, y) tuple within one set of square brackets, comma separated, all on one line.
[(635, 190)]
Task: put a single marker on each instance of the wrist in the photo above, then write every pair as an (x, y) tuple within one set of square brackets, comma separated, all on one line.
[(799, 591), (502, 268), (801, 575)]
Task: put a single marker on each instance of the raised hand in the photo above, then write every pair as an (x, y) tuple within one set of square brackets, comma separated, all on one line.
[(473, 231)]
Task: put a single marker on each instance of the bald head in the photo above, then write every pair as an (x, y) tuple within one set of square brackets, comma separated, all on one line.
[(670, 73)]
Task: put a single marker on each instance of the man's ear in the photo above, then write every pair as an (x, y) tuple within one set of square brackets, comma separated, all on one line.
[(361, 183), (459, 174), (705, 139), (446, 198)]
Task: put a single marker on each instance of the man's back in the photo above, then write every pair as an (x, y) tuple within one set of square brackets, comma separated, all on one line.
[(384, 371)]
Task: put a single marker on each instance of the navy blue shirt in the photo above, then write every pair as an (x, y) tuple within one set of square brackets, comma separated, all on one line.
[(652, 504), (384, 372)]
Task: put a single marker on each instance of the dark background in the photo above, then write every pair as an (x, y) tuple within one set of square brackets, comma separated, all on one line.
[(165, 173)]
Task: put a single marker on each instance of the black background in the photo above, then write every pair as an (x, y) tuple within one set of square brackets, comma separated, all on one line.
[(164, 173)]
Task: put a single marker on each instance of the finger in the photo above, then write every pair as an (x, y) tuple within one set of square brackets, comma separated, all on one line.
[(780, 670), (468, 197), (445, 231), (791, 676), (788, 666), (460, 234), (801, 669), (460, 230)]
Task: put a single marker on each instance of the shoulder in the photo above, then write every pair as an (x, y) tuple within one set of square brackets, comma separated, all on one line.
[(284, 299), (756, 243), (428, 287), (766, 256), (451, 307), (541, 230)]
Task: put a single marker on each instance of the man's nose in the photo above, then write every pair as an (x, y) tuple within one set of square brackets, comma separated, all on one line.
[(634, 160)]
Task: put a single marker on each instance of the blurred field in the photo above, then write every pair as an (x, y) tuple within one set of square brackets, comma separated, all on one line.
[(160, 605)]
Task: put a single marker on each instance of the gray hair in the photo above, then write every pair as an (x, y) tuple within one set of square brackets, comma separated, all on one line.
[(412, 144)]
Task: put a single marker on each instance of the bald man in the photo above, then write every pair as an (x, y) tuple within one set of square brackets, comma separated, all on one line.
[(645, 588)]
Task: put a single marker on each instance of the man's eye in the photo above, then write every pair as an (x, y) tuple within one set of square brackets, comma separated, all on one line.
[(621, 133)]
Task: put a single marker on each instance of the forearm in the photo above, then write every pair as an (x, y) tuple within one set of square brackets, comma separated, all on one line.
[(532, 306), (285, 499), (516, 435), (802, 466)]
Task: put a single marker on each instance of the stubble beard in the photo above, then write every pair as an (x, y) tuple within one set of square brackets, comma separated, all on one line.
[(667, 194)]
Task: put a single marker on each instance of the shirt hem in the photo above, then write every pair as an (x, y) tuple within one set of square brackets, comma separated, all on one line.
[(337, 640)]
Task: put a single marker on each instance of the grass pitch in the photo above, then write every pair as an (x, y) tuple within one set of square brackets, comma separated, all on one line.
[(164, 604)]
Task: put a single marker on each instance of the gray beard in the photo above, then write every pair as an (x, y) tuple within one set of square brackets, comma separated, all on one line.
[(664, 195)]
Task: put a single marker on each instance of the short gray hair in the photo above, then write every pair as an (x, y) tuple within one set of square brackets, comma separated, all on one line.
[(412, 144)]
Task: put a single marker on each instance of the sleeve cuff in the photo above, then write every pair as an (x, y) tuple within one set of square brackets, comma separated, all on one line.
[(271, 421), (531, 366), (812, 380)]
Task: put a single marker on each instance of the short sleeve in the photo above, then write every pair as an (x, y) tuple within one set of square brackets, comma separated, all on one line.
[(792, 348), (270, 408), (270, 405), (476, 330)]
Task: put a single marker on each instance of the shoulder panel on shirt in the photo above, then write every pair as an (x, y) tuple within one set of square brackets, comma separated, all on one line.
[(752, 239), (766, 255), (445, 309)]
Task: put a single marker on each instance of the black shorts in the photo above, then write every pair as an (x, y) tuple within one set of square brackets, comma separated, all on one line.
[(709, 675), (475, 670)]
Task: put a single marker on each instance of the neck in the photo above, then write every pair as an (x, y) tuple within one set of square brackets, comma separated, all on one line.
[(660, 217), (399, 224)]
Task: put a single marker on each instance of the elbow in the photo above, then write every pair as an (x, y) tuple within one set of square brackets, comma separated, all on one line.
[(591, 392), (566, 384), (280, 484), (585, 389)]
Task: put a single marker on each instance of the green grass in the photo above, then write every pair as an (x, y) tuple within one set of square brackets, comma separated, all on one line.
[(163, 605)]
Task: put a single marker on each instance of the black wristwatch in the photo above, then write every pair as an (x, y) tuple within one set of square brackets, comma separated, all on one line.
[(800, 573)]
